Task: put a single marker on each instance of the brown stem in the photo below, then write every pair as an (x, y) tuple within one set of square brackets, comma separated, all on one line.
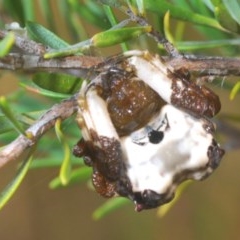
[(206, 65), (78, 65), (25, 45), (28, 56), (16, 148)]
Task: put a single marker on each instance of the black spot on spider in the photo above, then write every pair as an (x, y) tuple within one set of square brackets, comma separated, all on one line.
[(155, 137), (215, 154), (150, 199)]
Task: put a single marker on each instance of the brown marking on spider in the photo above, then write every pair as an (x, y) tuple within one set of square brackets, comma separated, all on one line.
[(130, 102), (123, 107), (195, 99)]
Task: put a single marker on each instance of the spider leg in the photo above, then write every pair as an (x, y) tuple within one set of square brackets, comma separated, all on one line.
[(173, 87), (99, 132)]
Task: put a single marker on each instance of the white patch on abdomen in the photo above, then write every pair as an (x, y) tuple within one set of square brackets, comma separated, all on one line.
[(183, 147)]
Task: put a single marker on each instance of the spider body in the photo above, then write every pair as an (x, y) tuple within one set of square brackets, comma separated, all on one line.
[(146, 129)]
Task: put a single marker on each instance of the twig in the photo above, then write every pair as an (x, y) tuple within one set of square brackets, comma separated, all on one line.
[(26, 45), (75, 65), (206, 65), (29, 57), (156, 35), (78, 65), (142, 21), (16, 148)]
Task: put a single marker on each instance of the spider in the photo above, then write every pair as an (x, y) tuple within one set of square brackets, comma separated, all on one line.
[(146, 129)]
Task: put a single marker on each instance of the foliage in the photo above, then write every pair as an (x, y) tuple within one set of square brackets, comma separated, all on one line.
[(217, 22)]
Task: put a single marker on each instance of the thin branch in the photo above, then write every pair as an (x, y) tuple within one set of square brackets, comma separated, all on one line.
[(29, 57), (142, 21), (74, 65), (16, 148), (78, 65), (206, 65), (156, 35), (25, 45)]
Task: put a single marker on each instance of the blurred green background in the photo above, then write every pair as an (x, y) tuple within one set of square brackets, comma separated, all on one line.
[(207, 210)]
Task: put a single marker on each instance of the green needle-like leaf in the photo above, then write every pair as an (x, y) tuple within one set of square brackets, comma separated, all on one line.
[(44, 36), (167, 32), (115, 36), (112, 19), (5, 125), (52, 161), (76, 176), (35, 89), (10, 115), (161, 7), (103, 39), (15, 8), (140, 6), (59, 83), (163, 210), (233, 7), (76, 48), (28, 8), (109, 206), (10, 189), (6, 44), (66, 164), (199, 45), (234, 91), (225, 19)]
